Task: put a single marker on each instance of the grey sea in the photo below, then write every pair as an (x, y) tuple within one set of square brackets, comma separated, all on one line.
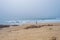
[(29, 20)]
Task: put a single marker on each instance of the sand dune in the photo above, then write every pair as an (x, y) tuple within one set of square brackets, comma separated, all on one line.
[(34, 32)]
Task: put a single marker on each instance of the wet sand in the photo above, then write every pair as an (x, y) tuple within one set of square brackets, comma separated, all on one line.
[(41, 31)]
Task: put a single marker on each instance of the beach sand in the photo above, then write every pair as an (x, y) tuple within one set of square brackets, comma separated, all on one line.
[(41, 31)]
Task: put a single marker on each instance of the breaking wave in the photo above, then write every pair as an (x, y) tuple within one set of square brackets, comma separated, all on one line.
[(23, 21), (18, 22)]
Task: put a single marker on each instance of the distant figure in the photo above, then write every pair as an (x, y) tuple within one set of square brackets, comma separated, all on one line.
[(36, 21)]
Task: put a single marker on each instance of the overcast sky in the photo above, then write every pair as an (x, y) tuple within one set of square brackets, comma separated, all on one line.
[(16, 9)]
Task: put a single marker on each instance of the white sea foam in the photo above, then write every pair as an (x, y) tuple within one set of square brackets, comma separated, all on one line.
[(30, 21)]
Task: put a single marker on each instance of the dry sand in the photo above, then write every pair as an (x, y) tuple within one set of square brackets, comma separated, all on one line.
[(46, 31)]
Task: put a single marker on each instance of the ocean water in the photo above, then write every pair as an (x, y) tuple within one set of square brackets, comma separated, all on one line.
[(23, 21)]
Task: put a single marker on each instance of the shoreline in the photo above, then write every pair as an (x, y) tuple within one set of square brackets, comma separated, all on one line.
[(51, 23)]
